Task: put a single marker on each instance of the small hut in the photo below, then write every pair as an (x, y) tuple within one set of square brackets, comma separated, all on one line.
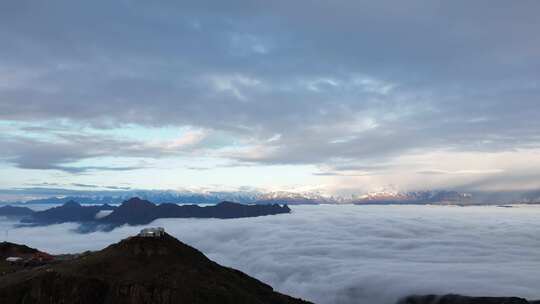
[(152, 232)]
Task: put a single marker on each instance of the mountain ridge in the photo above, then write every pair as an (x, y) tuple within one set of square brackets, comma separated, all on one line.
[(136, 211), (288, 197), (138, 270)]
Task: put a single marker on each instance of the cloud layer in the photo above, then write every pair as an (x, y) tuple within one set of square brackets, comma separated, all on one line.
[(272, 83), (353, 254)]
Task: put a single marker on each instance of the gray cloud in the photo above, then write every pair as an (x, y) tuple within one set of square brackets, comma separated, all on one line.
[(29, 153), (44, 184), (92, 186), (82, 169), (365, 83), (353, 254), (84, 185), (117, 187), (44, 191), (62, 151)]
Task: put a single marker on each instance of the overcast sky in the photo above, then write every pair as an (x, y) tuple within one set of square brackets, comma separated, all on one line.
[(339, 96)]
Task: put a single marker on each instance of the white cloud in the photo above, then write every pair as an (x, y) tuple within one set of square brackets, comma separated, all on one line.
[(234, 84), (353, 254), (189, 139), (372, 85)]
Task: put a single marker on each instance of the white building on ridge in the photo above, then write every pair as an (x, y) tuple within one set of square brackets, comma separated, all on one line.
[(152, 232)]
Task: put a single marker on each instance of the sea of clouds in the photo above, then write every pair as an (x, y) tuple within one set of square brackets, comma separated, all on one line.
[(352, 254)]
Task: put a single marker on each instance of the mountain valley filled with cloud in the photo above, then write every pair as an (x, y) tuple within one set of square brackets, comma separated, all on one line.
[(340, 254), (342, 152)]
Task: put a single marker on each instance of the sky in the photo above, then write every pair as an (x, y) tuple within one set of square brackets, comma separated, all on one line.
[(347, 254), (340, 96)]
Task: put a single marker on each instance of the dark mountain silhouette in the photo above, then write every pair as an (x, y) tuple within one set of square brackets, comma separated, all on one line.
[(137, 270), (138, 212), (69, 212), (458, 299), (133, 211), (15, 211)]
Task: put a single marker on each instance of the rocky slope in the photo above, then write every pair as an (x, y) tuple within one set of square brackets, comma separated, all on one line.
[(8, 249), (29, 257), (137, 270)]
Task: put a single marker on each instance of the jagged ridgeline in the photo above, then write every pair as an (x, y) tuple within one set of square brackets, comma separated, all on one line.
[(135, 211)]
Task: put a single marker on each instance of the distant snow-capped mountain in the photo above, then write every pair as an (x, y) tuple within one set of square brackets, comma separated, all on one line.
[(415, 197), (258, 197), (189, 197), (156, 196), (294, 198)]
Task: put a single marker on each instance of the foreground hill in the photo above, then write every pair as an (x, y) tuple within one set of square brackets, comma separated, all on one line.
[(10, 249), (25, 255), (137, 270)]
